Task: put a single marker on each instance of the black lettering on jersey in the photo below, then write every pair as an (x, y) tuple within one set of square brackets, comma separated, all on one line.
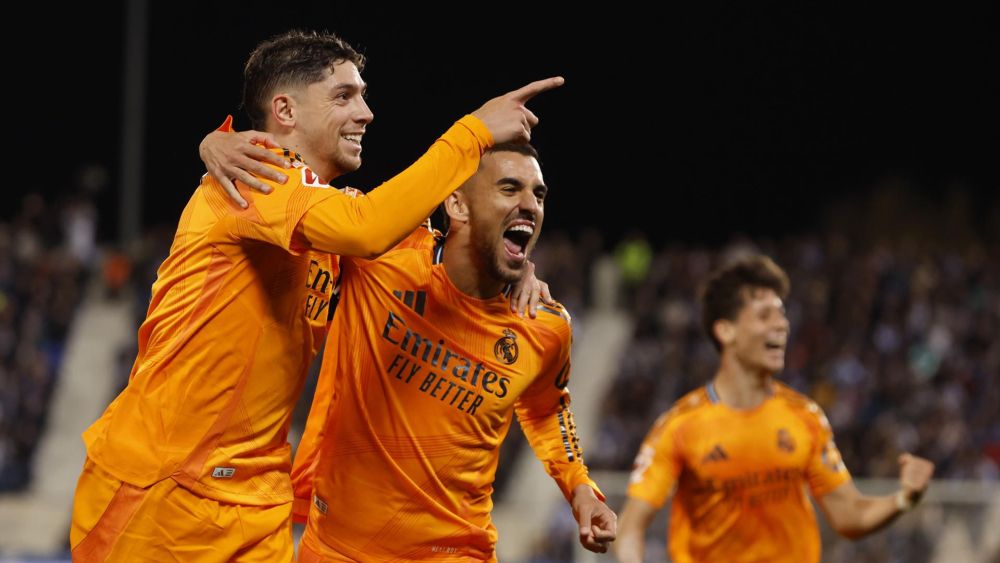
[(318, 280)]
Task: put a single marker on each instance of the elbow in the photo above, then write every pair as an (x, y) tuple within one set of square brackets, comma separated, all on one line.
[(373, 251), (852, 533), (364, 245)]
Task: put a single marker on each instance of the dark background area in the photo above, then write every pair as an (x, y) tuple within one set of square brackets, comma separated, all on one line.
[(689, 125)]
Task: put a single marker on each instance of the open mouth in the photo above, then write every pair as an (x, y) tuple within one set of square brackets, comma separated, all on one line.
[(515, 239), (354, 139)]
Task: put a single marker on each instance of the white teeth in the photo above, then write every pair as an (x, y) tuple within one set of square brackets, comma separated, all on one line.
[(353, 138), (523, 229)]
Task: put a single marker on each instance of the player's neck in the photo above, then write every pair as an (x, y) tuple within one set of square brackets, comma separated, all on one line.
[(739, 387), (291, 142), (465, 271)]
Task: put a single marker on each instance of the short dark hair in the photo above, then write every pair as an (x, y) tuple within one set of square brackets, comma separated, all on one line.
[(520, 148), (292, 58), (723, 294)]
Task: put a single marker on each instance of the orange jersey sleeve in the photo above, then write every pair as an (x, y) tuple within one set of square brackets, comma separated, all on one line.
[(826, 469), (371, 225), (657, 466), (545, 416), (424, 382)]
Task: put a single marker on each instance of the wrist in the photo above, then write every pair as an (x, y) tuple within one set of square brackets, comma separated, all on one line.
[(904, 501), (585, 490)]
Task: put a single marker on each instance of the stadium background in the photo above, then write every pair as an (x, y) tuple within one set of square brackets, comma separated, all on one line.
[(855, 147)]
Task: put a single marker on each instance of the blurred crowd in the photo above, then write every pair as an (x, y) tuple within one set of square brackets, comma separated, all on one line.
[(45, 252), (895, 341)]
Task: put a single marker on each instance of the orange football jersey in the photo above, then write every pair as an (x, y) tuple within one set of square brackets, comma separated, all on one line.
[(740, 476), (420, 384), (238, 312)]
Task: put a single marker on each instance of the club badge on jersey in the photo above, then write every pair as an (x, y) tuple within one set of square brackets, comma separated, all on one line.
[(505, 348)]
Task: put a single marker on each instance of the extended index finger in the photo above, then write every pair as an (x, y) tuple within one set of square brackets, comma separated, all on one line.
[(525, 93)]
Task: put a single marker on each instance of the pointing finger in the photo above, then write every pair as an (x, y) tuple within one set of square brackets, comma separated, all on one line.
[(525, 93)]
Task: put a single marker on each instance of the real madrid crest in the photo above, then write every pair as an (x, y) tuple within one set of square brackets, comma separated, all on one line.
[(506, 348)]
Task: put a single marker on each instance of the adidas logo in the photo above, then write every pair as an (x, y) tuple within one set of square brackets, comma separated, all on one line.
[(717, 454), (412, 299)]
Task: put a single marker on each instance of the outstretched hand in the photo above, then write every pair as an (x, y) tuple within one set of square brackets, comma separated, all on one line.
[(239, 156), (506, 116)]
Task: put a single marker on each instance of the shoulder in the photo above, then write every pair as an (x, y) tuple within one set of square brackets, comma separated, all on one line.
[(678, 414), (425, 238), (802, 406), (552, 320), (411, 259), (302, 189), (687, 406), (554, 313)]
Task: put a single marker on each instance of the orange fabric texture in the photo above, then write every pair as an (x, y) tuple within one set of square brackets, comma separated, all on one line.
[(416, 394), (238, 312), (165, 522), (740, 476)]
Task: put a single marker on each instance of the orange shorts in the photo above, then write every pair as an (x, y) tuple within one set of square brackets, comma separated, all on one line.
[(116, 521)]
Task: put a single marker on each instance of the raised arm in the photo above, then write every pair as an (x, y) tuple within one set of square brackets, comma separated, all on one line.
[(370, 226), (854, 515)]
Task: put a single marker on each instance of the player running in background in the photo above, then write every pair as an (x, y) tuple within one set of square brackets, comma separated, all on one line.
[(737, 454), (191, 461), (423, 371)]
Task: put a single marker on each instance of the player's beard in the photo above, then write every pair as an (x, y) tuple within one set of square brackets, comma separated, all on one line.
[(345, 163), (491, 259)]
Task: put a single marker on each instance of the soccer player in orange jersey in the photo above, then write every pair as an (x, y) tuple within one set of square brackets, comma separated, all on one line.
[(423, 372), (738, 454), (190, 462)]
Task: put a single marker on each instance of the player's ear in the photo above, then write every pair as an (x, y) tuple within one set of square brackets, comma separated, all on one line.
[(457, 207), (283, 109), (724, 330)]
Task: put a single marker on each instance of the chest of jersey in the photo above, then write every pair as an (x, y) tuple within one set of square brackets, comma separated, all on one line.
[(444, 356), (747, 455)]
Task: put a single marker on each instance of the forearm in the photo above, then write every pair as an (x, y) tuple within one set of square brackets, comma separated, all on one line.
[(630, 545), (870, 514), (369, 226), (559, 452), (635, 519)]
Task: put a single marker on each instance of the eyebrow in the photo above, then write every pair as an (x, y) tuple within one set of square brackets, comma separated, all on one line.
[(519, 184), (350, 86)]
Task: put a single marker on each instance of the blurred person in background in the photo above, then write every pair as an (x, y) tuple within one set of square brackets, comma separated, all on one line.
[(737, 454)]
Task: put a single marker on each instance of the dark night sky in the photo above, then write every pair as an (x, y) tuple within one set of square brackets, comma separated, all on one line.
[(740, 119)]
